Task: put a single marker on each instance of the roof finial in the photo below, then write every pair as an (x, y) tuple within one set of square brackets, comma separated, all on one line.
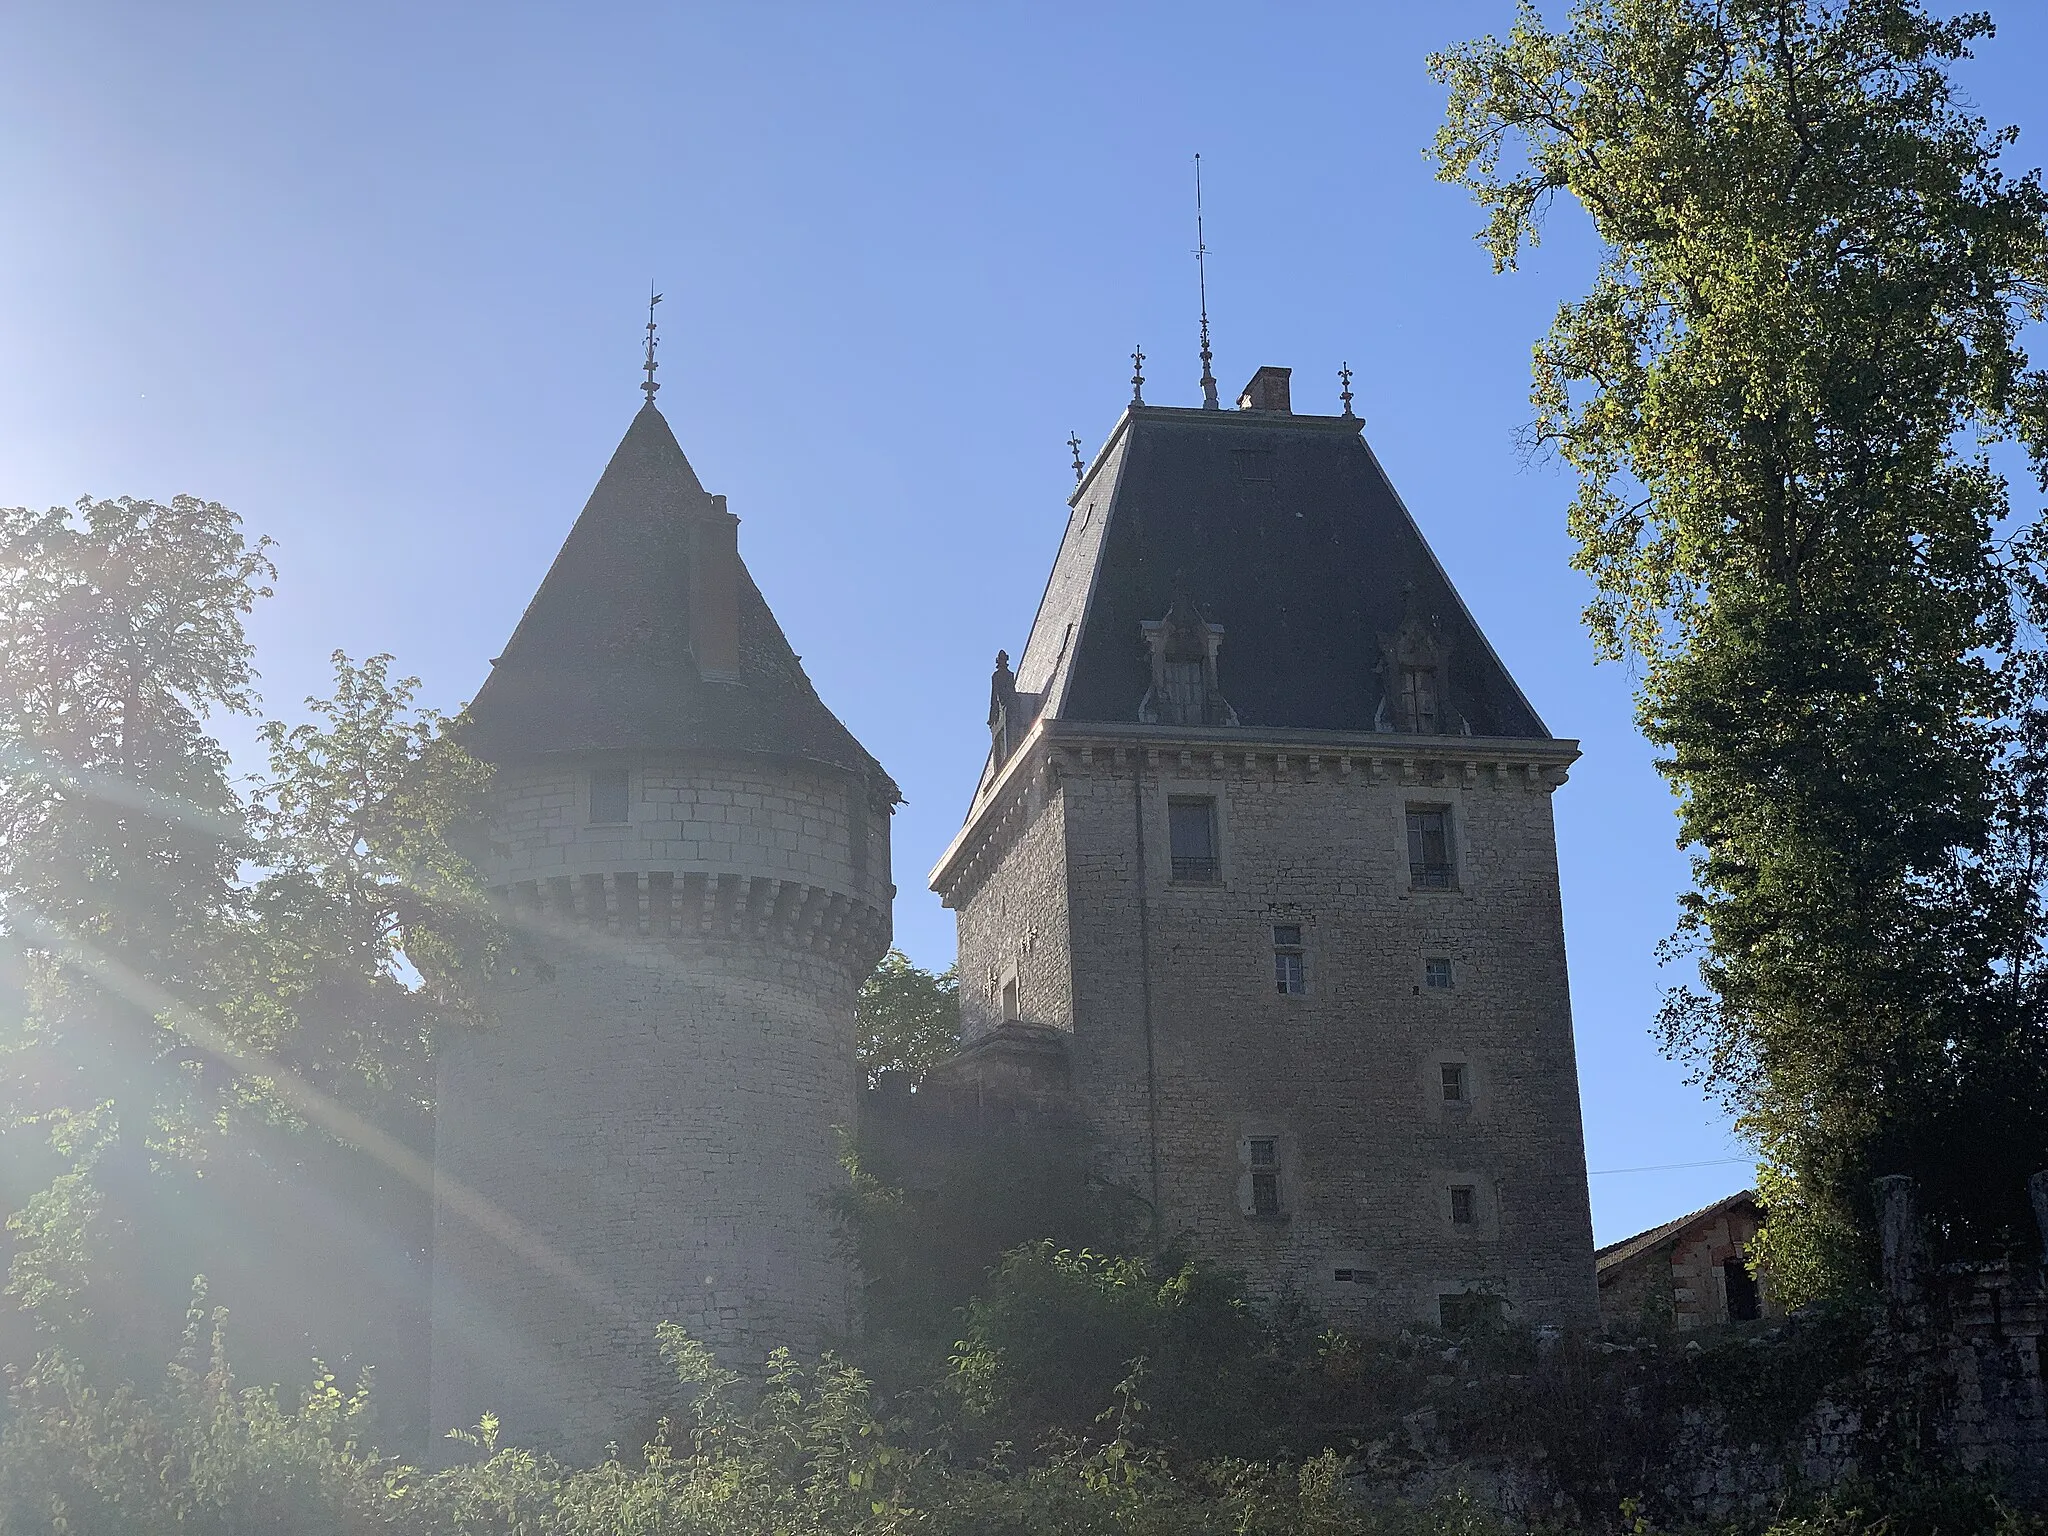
[(1074, 442), (1344, 374), (1209, 401), (650, 386), (1138, 375)]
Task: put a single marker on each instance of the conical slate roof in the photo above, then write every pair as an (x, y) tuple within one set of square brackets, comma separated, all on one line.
[(603, 659), (1284, 530)]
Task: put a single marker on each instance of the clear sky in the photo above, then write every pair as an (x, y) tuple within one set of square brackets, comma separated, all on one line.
[(374, 274)]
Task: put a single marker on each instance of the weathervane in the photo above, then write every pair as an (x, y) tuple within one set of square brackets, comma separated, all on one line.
[(1074, 442), (650, 386), (1209, 402), (1138, 375), (1344, 374)]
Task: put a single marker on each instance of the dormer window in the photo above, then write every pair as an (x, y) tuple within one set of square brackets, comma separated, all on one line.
[(1414, 666), (1183, 691), (1418, 700)]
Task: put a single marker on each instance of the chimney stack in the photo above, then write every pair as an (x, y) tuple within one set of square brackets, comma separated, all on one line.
[(715, 596), (1268, 391)]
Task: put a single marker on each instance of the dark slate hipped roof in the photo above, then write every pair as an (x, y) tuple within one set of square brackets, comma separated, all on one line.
[(602, 660), (1284, 530)]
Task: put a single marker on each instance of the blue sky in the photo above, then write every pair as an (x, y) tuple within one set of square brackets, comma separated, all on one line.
[(373, 275)]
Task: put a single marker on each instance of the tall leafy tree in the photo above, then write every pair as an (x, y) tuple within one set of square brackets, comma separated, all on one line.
[(1775, 396), (908, 1018), (120, 835)]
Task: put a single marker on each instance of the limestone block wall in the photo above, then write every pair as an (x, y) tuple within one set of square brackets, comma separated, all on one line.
[(646, 1129), (1013, 926), (1186, 1053)]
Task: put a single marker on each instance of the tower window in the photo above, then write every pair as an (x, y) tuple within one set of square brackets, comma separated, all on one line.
[(1289, 975), (1191, 829), (1010, 1005), (1457, 1083), (1264, 1155), (607, 796), (1464, 1205), (1429, 847), (1419, 711), (1436, 972)]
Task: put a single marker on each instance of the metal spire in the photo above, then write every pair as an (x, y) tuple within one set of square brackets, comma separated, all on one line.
[(1344, 374), (650, 386), (1138, 375), (1209, 401), (1074, 442)]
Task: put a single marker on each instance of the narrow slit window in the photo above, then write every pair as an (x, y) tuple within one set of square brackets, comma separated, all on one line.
[(1290, 975), (1191, 829), (607, 796), (1010, 1003), (1464, 1205), (1429, 847)]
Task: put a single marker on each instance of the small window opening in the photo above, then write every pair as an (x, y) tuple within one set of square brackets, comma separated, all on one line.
[(1418, 700), (1436, 972), (1265, 1161), (1429, 847), (1457, 1089), (1464, 1205), (1289, 974), (1744, 1304), (1191, 829), (1010, 1009), (607, 796)]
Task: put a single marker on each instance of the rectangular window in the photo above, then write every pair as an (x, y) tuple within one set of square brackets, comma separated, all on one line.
[(1464, 1205), (1418, 700), (1265, 1161), (607, 796), (1289, 974), (1429, 847), (1436, 972), (1191, 829), (1457, 1090), (1745, 1303)]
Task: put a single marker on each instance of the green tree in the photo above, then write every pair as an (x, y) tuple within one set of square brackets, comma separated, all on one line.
[(120, 836), (1804, 327), (909, 1018)]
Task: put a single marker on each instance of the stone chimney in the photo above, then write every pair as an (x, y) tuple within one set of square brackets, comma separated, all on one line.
[(1268, 391), (715, 596)]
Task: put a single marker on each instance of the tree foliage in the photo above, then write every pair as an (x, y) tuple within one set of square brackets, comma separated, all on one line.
[(201, 978), (1775, 396), (908, 1018)]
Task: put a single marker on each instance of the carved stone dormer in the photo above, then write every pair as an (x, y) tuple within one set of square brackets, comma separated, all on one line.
[(1184, 691), (1010, 713), (1415, 670)]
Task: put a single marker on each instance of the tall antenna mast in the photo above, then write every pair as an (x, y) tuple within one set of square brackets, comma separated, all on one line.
[(1209, 401)]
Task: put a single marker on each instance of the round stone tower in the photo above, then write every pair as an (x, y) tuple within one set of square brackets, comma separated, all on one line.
[(697, 853)]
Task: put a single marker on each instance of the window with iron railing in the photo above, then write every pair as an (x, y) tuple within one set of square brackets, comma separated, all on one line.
[(1429, 848), (1191, 832)]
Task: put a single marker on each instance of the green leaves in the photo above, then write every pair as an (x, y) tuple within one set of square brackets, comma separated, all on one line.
[(1809, 305), (908, 1018)]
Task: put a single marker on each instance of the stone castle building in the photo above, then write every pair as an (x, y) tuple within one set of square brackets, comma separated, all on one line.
[(1260, 880), (699, 852), (1261, 874)]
